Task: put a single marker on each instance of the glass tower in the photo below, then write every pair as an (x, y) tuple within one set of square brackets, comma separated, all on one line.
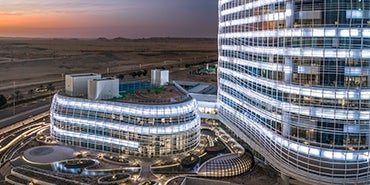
[(294, 80)]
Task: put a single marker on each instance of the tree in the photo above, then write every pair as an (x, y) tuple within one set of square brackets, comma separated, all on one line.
[(121, 76), (31, 92), (50, 87), (2, 100), (133, 74), (139, 73)]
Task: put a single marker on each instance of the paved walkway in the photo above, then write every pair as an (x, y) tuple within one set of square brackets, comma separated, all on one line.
[(146, 172)]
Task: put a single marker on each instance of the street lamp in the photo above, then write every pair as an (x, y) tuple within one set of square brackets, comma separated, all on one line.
[(13, 97)]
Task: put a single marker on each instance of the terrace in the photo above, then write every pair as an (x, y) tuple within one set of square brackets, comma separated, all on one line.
[(142, 92), (153, 95)]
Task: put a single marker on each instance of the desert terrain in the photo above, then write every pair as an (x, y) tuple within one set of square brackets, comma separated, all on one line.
[(31, 60), (31, 70)]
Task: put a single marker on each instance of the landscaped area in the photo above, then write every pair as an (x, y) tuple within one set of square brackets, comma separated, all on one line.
[(108, 168), (34, 173), (114, 178), (152, 94)]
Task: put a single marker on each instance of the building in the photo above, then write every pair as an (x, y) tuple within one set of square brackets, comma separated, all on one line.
[(103, 88), (149, 122), (294, 84), (76, 84), (159, 77)]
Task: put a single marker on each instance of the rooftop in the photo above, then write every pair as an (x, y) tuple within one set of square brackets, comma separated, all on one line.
[(104, 79), (144, 93), (48, 153), (205, 97), (82, 74), (153, 95), (198, 87)]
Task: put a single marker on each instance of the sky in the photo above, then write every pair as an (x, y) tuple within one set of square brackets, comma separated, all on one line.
[(108, 18)]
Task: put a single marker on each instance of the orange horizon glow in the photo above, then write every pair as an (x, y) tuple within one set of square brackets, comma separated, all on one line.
[(108, 18), (33, 21)]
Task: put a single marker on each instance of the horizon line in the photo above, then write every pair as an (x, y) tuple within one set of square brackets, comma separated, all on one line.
[(110, 38)]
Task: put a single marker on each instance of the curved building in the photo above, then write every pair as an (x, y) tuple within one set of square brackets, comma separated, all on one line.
[(127, 126), (294, 84)]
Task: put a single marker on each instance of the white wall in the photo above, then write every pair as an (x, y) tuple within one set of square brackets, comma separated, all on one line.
[(103, 89), (76, 84), (153, 75), (164, 77), (159, 77)]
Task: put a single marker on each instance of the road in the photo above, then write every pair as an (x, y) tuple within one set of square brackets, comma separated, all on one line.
[(22, 116), (18, 134), (166, 63), (17, 140), (16, 85)]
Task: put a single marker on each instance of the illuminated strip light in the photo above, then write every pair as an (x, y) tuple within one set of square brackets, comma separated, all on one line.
[(127, 109), (268, 100), (366, 33), (127, 143), (357, 14), (270, 115), (260, 65), (302, 32), (225, 1), (144, 130), (348, 94), (354, 71), (354, 14), (302, 52), (331, 154), (122, 107), (302, 110), (349, 33), (259, 18), (365, 53), (248, 6), (302, 90)]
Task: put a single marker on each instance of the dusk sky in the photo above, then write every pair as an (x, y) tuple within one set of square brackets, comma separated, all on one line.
[(108, 18)]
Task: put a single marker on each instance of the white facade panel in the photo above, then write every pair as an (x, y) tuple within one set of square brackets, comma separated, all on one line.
[(159, 77), (153, 75), (76, 84), (106, 88), (164, 77)]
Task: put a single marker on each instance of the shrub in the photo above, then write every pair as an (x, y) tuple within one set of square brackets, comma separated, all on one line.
[(2, 100)]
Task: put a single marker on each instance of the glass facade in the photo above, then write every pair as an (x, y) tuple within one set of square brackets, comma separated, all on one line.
[(294, 83), (126, 128), (227, 165)]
